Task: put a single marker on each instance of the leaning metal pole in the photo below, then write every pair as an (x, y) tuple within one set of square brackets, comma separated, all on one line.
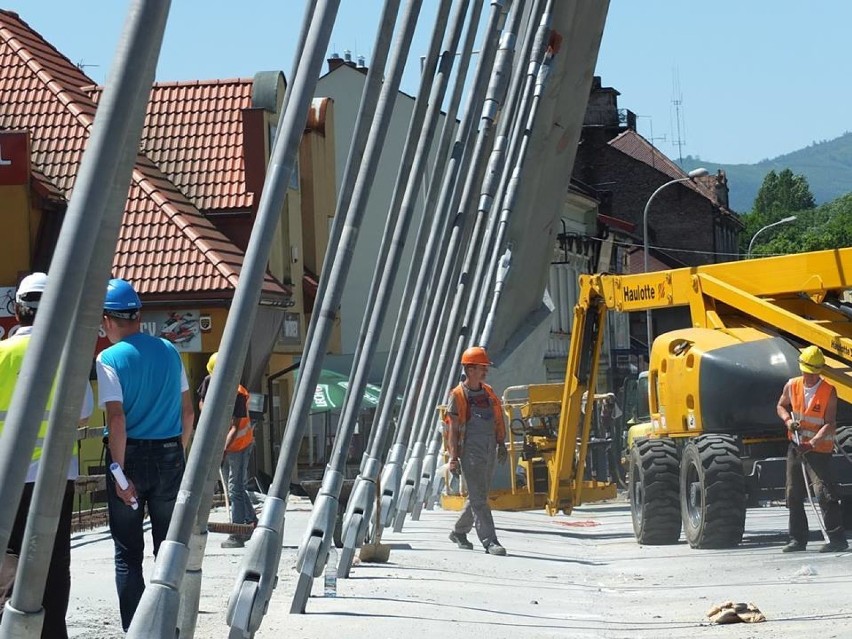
[(511, 121), (158, 610), (125, 97), (535, 42), (450, 194), (509, 201), (369, 101), (313, 552), (409, 148), (190, 593), (420, 135), (425, 405), (102, 164), (244, 611), (454, 336), (412, 307)]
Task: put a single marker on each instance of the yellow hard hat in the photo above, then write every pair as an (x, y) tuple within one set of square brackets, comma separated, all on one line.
[(811, 360), (211, 363)]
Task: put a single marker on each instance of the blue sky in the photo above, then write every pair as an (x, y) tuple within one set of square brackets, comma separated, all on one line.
[(757, 78)]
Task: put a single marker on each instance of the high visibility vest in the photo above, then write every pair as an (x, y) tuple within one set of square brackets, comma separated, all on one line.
[(464, 412), (245, 432), (12, 353), (811, 418)]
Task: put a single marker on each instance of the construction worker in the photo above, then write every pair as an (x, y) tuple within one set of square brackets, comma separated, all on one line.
[(239, 444), (808, 408), (143, 387), (477, 436), (58, 584)]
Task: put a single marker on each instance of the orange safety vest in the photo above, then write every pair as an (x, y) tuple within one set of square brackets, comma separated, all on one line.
[(245, 432), (811, 418), (461, 402)]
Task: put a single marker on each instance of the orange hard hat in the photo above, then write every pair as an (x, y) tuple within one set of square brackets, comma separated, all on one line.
[(475, 355)]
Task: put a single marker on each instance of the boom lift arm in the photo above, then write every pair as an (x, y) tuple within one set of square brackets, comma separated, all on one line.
[(797, 296)]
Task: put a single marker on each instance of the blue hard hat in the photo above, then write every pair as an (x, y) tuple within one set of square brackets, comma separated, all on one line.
[(121, 299)]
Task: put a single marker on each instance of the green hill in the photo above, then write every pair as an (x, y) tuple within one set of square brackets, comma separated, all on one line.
[(827, 165)]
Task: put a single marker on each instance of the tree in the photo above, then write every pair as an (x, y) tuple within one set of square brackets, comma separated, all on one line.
[(826, 227), (780, 195)]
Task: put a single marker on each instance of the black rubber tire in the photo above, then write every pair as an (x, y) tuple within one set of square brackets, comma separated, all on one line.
[(843, 441), (712, 492), (653, 490)]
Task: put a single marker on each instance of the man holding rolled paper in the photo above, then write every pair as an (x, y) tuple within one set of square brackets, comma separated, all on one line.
[(142, 385)]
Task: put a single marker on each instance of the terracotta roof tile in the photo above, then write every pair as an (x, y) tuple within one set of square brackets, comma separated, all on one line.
[(166, 246), (194, 133)]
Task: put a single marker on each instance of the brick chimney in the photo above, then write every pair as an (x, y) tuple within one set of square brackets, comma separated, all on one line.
[(720, 188), (335, 62)]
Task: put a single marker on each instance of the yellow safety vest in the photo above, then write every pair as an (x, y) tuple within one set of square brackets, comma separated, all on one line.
[(11, 358), (811, 418)]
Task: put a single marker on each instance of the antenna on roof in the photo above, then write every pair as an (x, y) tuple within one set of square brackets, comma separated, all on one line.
[(677, 104), (653, 140), (82, 65)]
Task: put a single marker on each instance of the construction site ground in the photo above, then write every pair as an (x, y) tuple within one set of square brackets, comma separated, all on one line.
[(568, 576)]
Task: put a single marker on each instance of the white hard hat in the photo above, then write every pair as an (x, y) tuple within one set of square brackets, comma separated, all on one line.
[(30, 290)]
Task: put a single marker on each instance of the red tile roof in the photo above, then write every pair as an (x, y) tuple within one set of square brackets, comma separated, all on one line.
[(166, 246), (194, 133)]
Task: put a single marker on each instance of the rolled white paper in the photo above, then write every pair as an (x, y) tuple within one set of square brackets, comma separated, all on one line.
[(121, 480)]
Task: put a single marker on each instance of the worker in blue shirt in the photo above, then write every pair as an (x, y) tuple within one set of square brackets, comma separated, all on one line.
[(142, 385)]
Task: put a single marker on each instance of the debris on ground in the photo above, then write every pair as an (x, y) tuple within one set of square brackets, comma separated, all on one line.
[(730, 612)]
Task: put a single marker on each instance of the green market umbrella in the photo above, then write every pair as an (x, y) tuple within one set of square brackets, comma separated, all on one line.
[(331, 390)]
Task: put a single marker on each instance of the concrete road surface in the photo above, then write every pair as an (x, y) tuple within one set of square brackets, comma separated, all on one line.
[(577, 576)]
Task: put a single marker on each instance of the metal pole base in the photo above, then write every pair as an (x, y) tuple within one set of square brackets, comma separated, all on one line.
[(359, 512), (157, 613), (258, 573), (313, 551), (434, 490), (20, 625), (190, 595), (391, 479), (410, 480), (429, 464)]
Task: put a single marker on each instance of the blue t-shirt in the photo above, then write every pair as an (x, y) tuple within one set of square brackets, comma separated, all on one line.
[(146, 375)]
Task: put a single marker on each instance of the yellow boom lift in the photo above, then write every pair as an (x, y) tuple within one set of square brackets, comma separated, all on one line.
[(714, 444)]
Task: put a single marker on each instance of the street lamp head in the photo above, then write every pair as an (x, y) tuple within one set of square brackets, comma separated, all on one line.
[(789, 218), (697, 173)]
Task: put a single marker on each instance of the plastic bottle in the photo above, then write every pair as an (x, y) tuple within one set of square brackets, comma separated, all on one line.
[(330, 576)]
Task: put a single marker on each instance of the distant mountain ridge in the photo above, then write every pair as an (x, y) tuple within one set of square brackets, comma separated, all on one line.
[(827, 165)]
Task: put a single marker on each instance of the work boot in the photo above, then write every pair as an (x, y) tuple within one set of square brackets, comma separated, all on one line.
[(494, 548), (460, 539), (233, 541), (794, 546), (835, 545)]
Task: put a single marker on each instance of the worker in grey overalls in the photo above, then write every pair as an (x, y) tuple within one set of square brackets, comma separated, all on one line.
[(476, 439)]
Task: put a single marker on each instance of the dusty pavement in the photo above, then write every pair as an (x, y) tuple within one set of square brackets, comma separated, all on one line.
[(579, 576)]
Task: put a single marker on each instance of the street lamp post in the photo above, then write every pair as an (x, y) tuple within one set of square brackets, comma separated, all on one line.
[(790, 218), (695, 173)]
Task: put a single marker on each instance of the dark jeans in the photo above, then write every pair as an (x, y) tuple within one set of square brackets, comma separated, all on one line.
[(156, 469), (824, 490), (57, 588)]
